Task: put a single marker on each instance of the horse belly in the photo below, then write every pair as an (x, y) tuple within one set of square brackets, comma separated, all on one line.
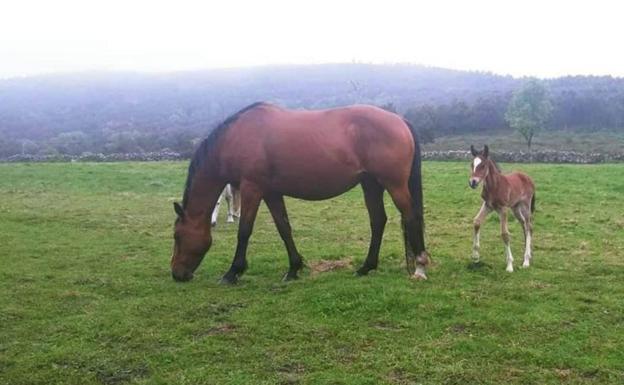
[(315, 181)]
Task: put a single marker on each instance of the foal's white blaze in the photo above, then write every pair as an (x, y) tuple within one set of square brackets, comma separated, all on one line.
[(476, 163)]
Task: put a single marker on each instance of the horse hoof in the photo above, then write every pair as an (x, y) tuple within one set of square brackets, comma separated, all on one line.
[(363, 271), (509, 269), (228, 281), (525, 265), (290, 277), (419, 276)]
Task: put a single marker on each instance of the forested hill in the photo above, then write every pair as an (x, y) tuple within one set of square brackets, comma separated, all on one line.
[(123, 112)]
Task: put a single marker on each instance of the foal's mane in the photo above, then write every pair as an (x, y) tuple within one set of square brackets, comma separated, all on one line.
[(495, 165), (207, 144)]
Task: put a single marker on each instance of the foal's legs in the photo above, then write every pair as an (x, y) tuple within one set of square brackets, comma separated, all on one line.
[(413, 232), (236, 202), (215, 212), (251, 197), (373, 196), (481, 215), (505, 235), (523, 214), (230, 202), (280, 217)]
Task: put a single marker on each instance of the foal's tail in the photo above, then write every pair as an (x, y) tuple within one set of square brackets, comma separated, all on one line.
[(533, 203), (415, 189)]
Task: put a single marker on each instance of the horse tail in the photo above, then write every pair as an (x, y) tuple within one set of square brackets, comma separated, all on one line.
[(414, 184), (533, 203)]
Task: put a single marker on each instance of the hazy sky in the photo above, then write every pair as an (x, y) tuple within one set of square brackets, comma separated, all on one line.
[(540, 38)]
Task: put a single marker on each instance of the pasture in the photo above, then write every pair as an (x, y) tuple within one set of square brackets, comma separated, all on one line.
[(86, 294)]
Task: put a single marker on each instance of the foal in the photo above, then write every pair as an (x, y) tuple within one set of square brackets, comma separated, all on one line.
[(232, 197), (515, 191)]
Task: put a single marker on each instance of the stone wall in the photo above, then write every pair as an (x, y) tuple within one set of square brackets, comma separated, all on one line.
[(511, 157), (525, 157), (92, 157)]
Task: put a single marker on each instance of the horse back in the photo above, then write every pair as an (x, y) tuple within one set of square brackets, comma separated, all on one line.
[(294, 150)]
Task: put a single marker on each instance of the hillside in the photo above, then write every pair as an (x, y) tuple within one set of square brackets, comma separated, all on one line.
[(123, 112)]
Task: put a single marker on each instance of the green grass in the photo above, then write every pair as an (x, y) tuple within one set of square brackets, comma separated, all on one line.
[(86, 294), (585, 142)]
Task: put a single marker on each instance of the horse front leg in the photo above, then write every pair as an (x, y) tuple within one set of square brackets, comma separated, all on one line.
[(251, 196), (478, 221), (280, 217)]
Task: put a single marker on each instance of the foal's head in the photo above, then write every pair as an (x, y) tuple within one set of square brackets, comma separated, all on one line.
[(478, 166), (192, 239)]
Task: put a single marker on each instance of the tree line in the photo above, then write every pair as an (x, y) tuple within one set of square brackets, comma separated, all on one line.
[(129, 112)]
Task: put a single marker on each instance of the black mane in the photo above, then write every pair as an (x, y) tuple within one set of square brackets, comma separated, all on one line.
[(204, 148)]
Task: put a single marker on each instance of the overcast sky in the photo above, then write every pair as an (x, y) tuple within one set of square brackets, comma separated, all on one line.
[(538, 38)]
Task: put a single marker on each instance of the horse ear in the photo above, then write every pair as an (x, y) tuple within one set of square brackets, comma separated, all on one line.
[(473, 151), (486, 151), (178, 209)]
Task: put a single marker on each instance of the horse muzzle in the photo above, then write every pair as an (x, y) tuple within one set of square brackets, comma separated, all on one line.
[(473, 183), (181, 276)]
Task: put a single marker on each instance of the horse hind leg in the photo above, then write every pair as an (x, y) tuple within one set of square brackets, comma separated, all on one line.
[(523, 214), (373, 196), (230, 203), (215, 212), (236, 202), (506, 239), (416, 257)]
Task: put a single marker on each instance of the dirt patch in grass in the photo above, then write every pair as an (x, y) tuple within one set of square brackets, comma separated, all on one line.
[(326, 265)]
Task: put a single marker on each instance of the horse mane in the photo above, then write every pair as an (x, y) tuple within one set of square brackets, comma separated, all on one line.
[(495, 165), (200, 155)]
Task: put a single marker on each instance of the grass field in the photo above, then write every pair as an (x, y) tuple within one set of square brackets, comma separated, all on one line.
[(602, 141), (86, 294)]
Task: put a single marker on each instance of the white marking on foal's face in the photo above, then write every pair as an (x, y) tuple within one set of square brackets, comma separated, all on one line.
[(475, 164)]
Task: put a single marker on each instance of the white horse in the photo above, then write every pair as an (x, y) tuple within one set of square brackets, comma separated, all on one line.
[(232, 196)]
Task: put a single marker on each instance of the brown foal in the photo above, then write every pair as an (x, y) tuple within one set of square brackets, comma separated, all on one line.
[(269, 152), (515, 191)]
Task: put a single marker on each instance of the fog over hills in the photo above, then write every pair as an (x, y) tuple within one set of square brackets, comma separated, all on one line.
[(120, 112)]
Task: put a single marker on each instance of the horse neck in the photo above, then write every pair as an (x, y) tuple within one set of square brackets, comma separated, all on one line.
[(494, 177), (203, 196)]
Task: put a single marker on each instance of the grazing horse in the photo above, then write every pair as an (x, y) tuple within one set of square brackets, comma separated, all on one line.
[(269, 152), (232, 197), (515, 191)]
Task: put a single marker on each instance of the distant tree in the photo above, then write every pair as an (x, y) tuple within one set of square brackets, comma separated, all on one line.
[(529, 110), (71, 143), (425, 121), (29, 146)]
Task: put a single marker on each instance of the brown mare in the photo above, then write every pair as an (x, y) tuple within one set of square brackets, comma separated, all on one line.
[(269, 152), (515, 191)]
